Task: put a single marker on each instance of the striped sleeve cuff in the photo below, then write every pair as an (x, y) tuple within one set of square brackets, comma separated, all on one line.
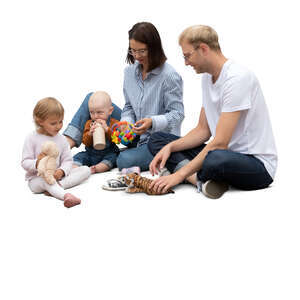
[(159, 123)]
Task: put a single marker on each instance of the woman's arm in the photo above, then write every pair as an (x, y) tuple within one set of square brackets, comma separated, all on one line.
[(173, 103)]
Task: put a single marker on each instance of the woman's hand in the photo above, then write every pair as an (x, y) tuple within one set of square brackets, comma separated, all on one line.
[(165, 183), (159, 160), (142, 126)]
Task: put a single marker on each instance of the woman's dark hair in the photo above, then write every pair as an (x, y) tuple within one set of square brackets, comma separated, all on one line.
[(146, 33)]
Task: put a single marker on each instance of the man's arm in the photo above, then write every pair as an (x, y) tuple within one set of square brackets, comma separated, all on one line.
[(224, 131), (197, 136)]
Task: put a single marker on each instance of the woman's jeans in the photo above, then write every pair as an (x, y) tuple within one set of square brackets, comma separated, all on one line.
[(242, 171), (139, 156)]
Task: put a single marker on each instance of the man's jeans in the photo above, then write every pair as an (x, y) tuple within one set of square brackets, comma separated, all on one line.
[(242, 171)]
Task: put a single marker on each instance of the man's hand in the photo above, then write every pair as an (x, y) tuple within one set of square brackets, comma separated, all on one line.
[(165, 183), (159, 160), (59, 174), (142, 126)]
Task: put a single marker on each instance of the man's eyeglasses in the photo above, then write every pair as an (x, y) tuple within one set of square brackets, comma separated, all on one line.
[(141, 52), (188, 55)]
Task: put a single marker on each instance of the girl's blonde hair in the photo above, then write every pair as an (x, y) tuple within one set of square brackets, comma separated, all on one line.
[(45, 108), (200, 34)]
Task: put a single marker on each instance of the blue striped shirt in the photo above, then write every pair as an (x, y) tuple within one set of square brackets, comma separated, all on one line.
[(158, 97)]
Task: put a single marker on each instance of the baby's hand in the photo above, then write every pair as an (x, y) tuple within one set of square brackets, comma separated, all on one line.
[(103, 124), (92, 128)]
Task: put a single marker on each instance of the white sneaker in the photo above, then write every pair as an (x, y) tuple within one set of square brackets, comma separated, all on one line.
[(113, 184), (164, 172), (213, 189)]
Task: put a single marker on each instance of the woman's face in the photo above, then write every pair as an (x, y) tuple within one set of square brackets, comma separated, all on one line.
[(139, 51)]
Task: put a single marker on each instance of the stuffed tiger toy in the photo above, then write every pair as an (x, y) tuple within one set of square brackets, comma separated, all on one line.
[(137, 184)]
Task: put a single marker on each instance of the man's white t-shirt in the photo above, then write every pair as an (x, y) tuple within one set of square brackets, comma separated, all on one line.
[(237, 89)]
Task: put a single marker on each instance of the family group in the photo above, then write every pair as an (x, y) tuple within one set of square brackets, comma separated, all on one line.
[(231, 145)]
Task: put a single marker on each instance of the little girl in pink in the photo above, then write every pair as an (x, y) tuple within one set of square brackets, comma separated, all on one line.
[(48, 116)]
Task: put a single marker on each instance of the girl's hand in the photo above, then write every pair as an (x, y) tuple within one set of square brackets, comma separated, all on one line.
[(59, 174)]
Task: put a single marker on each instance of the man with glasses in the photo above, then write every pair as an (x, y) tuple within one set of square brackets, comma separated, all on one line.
[(233, 143)]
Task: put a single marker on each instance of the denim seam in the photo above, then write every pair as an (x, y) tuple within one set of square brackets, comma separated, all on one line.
[(181, 164), (107, 162)]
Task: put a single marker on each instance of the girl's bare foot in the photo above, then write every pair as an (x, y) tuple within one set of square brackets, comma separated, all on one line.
[(70, 200)]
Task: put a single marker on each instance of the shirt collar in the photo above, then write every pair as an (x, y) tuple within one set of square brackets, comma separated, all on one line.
[(138, 70)]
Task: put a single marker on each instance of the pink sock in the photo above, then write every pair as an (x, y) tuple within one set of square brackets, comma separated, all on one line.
[(70, 200)]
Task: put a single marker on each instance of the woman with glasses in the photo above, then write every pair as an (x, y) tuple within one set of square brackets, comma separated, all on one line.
[(153, 97)]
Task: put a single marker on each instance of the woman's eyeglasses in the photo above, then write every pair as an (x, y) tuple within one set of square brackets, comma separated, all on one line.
[(141, 52)]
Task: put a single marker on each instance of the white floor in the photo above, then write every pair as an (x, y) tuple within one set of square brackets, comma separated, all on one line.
[(133, 246), (118, 246)]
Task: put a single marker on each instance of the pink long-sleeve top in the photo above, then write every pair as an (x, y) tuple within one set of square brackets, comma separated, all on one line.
[(32, 148)]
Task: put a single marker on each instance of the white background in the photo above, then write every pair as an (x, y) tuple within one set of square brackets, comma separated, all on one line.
[(120, 246)]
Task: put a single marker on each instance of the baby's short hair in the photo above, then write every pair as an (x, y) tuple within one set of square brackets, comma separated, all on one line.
[(101, 96), (46, 108)]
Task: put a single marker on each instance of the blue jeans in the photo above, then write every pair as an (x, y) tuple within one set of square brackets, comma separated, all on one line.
[(139, 156), (92, 157), (242, 171), (76, 127)]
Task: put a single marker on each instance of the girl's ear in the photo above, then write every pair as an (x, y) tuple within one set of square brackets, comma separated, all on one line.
[(38, 121)]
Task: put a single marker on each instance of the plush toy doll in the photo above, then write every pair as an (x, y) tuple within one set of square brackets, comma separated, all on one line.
[(136, 184), (47, 165)]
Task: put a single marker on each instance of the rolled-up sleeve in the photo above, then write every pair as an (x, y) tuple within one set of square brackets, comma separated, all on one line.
[(75, 128)]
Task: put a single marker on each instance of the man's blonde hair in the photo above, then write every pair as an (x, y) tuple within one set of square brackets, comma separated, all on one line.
[(47, 107), (200, 34)]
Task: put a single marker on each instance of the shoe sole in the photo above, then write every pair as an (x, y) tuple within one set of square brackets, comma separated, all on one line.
[(213, 189), (108, 188)]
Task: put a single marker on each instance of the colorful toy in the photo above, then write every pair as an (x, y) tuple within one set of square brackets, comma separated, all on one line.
[(121, 132)]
